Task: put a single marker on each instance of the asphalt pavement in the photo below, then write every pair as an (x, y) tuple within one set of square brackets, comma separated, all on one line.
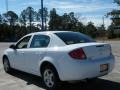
[(23, 81)]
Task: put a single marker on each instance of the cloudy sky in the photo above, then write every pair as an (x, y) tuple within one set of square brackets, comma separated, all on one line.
[(89, 10)]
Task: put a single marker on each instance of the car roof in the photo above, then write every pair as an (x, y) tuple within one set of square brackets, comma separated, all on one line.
[(47, 32)]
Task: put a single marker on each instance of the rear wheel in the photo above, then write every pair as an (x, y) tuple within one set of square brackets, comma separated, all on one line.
[(6, 65), (50, 78)]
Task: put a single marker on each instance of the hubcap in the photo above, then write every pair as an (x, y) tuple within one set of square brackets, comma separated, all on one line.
[(6, 66), (49, 78)]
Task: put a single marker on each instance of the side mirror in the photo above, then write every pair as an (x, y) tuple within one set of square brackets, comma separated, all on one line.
[(12, 46)]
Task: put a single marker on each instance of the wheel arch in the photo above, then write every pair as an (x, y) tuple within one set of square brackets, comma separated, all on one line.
[(4, 56), (45, 63)]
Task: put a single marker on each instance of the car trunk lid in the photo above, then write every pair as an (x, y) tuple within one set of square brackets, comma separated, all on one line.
[(93, 50), (97, 51)]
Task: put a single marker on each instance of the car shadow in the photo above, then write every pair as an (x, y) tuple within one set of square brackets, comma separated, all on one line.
[(99, 84)]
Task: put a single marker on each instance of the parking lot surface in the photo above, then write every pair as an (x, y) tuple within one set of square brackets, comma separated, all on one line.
[(23, 81)]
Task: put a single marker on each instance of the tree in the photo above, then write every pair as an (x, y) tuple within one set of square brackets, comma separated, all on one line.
[(115, 17), (30, 15), (117, 1), (38, 15), (111, 31), (69, 21), (65, 21), (45, 16), (10, 17), (23, 18), (91, 29), (115, 14), (101, 31), (55, 20), (80, 27), (73, 21), (0, 19)]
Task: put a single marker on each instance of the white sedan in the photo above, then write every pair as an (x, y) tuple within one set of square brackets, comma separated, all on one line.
[(59, 56)]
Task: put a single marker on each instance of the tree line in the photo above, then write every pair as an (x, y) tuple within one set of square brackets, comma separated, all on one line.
[(13, 26)]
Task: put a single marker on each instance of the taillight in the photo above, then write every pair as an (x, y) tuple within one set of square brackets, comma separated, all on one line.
[(78, 54)]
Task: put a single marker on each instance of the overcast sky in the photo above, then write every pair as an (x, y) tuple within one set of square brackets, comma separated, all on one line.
[(89, 10)]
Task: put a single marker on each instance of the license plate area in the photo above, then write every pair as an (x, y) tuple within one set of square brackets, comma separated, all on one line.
[(103, 67)]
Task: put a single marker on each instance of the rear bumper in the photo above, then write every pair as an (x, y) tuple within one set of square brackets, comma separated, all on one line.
[(76, 70)]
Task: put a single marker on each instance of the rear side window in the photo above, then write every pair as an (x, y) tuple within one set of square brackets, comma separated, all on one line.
[(74, 37), (40, 41)]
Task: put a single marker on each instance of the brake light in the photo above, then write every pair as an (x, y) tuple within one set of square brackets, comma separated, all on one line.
[(78, 54)]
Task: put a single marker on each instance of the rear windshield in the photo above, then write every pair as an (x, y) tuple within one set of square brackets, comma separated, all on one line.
[(74, 37)]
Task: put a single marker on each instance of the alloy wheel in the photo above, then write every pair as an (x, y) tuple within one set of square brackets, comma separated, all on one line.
[(48, 77)]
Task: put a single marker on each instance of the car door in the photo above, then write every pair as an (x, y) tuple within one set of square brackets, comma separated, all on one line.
[(36, 52), (19, 52)]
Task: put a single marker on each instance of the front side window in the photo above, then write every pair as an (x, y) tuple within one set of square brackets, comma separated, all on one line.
[(23, 43), (40, 41)]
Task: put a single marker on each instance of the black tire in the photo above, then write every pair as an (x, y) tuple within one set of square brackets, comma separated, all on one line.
[(6, 65), (53, 81)]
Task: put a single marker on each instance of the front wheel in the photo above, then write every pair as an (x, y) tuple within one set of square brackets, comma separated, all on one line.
[(6, 65), (50, 78)]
